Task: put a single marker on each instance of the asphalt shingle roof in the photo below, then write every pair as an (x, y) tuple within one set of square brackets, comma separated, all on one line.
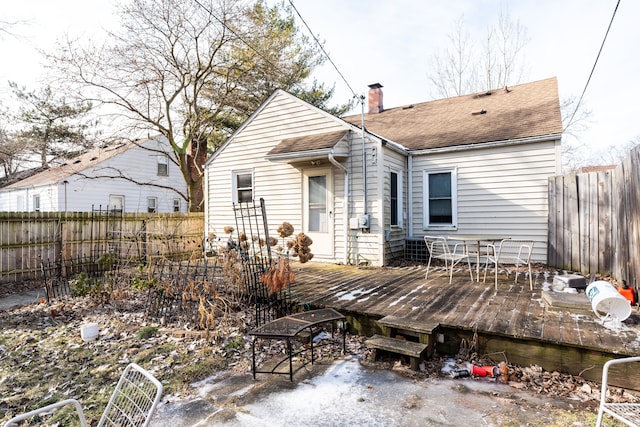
[(522, 111)]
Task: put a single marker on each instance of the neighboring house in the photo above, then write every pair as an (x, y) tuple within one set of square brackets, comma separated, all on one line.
[(475, 164), (137, 176)]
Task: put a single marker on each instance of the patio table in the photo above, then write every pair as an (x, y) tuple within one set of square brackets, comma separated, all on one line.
[(477, 240), (287, 327)]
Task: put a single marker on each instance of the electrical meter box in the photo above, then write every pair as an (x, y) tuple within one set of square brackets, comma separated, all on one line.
[(359, 222)]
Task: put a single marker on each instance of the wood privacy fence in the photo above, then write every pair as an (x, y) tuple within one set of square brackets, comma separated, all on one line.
[(594, 221), (28, 239)]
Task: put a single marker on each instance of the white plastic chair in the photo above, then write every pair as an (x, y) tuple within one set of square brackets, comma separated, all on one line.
[(510, 252), (131, 405), (438, 248), (628, 413)]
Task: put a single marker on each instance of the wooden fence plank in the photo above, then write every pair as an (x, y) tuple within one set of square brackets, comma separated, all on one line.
[(28, 238), (594, 221)]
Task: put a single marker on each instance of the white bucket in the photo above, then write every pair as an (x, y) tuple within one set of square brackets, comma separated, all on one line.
[(89, 331), (606, 300)]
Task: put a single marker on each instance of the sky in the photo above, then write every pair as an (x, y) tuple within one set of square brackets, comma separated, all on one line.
[(392, 42)]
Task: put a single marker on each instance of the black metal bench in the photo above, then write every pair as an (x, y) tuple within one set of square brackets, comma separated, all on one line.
[(288, 327)]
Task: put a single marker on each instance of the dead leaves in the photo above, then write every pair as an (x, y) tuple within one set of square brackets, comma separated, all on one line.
[(278, 276)]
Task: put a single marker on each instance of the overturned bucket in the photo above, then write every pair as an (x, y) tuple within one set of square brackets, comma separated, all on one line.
[(606, 300)]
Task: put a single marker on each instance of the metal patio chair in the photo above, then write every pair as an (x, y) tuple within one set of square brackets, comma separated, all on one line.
[(131, 405), (628, 413), (510, 252), (438, 248)]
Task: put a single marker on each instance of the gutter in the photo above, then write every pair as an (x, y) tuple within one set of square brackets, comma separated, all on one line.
[(483, 145), (345, 208)]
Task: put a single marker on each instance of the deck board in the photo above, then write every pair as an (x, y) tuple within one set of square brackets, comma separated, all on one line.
[(513, 310)]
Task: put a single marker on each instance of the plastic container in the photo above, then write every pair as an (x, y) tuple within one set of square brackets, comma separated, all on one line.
[(606, 300), (89, 331), (628, 294)]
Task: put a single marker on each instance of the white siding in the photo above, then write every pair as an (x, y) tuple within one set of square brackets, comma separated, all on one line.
[(394, 162), (92, 187), (278, 183), (501, 191)]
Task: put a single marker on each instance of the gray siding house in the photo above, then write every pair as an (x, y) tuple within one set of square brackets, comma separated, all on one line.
[(137, 176), (474, 164)]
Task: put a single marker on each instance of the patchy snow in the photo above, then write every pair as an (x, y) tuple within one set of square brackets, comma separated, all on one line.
[(403, 297), (349, 296)]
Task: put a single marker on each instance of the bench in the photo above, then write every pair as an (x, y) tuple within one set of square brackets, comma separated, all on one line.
[(293, 326), (412, 349), (628, 413)]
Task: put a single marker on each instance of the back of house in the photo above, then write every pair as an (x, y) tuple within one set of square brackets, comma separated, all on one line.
[(474, 164)]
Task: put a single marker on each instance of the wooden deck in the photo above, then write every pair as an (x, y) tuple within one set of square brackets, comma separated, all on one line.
[(512, 320)]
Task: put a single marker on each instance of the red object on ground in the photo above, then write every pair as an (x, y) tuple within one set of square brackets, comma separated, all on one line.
[(492, 371), (478, 371), (628, 293)]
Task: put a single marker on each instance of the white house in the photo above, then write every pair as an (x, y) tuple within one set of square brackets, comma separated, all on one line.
[(137, 176), (474, 164)]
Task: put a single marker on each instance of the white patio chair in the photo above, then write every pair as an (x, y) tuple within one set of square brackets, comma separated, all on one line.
[(131, 405), (510, 252), (628, 413), (438, 248)]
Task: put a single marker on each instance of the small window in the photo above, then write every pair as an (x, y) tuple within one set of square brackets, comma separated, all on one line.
[(116, 203), (152, 204), (163, 165), (440, 210), (243, 186), (176, 205), (396, 199), (36, 203)]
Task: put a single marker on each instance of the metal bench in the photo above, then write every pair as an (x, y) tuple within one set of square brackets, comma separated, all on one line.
[(628, 413), (287, 328)]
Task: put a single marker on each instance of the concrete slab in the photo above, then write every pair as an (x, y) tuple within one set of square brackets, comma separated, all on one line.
[(10, 301)]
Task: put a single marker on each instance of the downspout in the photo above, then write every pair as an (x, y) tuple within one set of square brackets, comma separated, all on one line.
[(410, 195), (345, 208), (364, 161)]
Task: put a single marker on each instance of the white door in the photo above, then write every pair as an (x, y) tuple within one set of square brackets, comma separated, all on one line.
[(318, 210)]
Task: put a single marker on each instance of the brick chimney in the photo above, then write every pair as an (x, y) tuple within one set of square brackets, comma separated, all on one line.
[(375, 98)]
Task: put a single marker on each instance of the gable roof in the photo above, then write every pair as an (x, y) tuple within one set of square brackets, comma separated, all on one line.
[(522, 111), (76, 165)]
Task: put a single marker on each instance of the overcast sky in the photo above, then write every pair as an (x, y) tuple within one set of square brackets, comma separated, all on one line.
[(392, 42)]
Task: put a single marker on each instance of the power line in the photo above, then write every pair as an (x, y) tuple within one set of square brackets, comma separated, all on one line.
[(322, 48), (593, 68)]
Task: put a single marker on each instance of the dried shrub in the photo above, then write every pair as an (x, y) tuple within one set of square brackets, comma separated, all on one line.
[(278, 276)]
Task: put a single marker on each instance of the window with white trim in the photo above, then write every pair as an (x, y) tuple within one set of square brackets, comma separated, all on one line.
[(176, 205), (440, 199), (395, 181), (152, 204), (36, 203), (116, 203), (163, 165), (242, 186)]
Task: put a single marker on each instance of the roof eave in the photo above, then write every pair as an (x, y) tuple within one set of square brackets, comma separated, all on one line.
[(481, 145), (302, 156)]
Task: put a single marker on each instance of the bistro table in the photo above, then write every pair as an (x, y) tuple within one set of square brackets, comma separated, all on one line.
[(287, 327), (477, 240)]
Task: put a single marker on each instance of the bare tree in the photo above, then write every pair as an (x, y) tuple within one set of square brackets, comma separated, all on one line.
[(191, 70), (502, 60), (458, 70)]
